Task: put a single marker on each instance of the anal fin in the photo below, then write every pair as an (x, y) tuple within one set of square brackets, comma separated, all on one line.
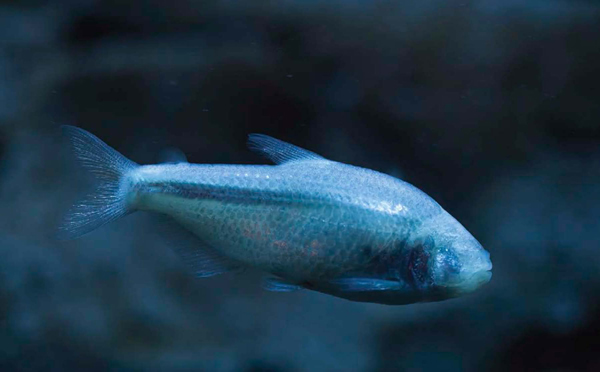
[(201, 258), (204, 261)]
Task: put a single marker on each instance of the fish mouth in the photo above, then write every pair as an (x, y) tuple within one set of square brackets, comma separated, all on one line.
[(478, 277), (457, 278), (471, 282)]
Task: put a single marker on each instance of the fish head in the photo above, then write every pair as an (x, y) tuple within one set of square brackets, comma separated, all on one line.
[(446, 261)]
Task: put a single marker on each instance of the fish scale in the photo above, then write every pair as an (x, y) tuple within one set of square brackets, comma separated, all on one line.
[(300, 232)]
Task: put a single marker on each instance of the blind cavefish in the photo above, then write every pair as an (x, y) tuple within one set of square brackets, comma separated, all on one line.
[(311, 222)]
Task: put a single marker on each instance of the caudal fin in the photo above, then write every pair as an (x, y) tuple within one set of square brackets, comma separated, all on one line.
[(109, 201)]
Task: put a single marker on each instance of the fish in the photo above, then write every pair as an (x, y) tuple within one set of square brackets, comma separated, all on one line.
[(309, 222)]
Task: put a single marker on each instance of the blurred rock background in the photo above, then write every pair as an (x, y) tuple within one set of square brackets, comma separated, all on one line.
[(491, 107)]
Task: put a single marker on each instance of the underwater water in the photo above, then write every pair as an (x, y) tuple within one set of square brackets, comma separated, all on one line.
[(492, 108)]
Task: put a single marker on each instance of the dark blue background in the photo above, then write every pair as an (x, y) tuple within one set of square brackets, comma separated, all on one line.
[(492, 107)]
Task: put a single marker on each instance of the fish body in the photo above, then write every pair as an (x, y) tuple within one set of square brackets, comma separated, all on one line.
[(313, 223)]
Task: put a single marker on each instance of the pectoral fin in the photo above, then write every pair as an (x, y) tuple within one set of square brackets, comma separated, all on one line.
[(365, 284), (280, 285)]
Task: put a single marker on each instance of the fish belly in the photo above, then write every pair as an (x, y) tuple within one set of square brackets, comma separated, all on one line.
[(296, 241)]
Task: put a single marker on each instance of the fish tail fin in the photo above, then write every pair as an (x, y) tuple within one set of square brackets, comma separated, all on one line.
[(109, 201)]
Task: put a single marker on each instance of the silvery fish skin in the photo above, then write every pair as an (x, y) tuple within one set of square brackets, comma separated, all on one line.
[(313, 223)]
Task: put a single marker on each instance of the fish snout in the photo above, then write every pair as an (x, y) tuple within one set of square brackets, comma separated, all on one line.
[(461, 271)]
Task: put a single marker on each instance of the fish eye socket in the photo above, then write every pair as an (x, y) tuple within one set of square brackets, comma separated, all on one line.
[(452, 262), (447, 267)]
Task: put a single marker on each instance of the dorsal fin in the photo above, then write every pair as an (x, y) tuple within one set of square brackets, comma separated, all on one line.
[(277, 151)]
